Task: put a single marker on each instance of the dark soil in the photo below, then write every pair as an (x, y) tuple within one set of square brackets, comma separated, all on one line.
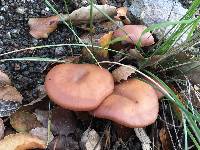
[(14, 34)]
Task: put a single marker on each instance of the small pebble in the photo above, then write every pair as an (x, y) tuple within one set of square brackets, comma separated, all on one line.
[(4, 8), (1, 18), (21, 10)]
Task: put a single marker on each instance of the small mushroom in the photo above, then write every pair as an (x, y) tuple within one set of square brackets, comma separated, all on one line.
[(78, 87), (134, 33), (133, 103)]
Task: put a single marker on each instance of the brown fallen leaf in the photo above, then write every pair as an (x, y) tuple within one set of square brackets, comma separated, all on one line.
[(104, 43), (42, 27), (10, 100), (122, 73), (165, 139), (121, 15), (21, 141), (97, 52), (135, 54), (9, 93), (62, 124), (4, 79), (24, 121)]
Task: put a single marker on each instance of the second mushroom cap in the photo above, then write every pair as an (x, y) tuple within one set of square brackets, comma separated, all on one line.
[(133, 103)]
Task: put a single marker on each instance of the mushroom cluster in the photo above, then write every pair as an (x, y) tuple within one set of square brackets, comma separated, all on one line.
[(87, 87)]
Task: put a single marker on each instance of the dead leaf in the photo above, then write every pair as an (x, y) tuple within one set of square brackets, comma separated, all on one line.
[(2, 128), (21, 141), (177, 111), (135, 54), (104, 43), (42, 27), (104, 2), (10, 100), (72, 59), (121, 15), (42, 133), (97, 52), (9, 93), (165, 139), (24, 121), (62, 124), (90, 140), (42, 116), (4, 79), (122, 73), (82, 15), (62, 142)]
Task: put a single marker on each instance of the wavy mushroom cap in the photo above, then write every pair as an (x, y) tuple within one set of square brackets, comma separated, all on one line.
[(78, 87), (134, 33), (133, 103)]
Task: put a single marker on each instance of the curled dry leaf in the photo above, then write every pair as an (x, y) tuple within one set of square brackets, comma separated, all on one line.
[(132, 33), (165, 139), (9, 93), (104, 43), (2, 128), (42, 27), (122, 73), (4, 79), (62, 124), (21, 141), (10, 100), (121, 15), (82, 15), (24, 121)]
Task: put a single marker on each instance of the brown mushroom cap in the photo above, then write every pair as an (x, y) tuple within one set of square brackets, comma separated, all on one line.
[(78, 87), (133, 103), (134, 33)]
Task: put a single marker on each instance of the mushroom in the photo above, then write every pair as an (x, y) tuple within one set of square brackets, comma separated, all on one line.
[(78, 87), (133, 104), (134, 33)]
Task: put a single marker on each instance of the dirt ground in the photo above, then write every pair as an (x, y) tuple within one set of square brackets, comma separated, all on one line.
[(14, 34)]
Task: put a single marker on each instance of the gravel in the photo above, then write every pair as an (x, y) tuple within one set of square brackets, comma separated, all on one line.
[(14, 34)]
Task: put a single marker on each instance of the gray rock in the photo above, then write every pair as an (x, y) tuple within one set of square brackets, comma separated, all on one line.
[(4, 8), (2, 18), (21, 10), (156, 11)]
